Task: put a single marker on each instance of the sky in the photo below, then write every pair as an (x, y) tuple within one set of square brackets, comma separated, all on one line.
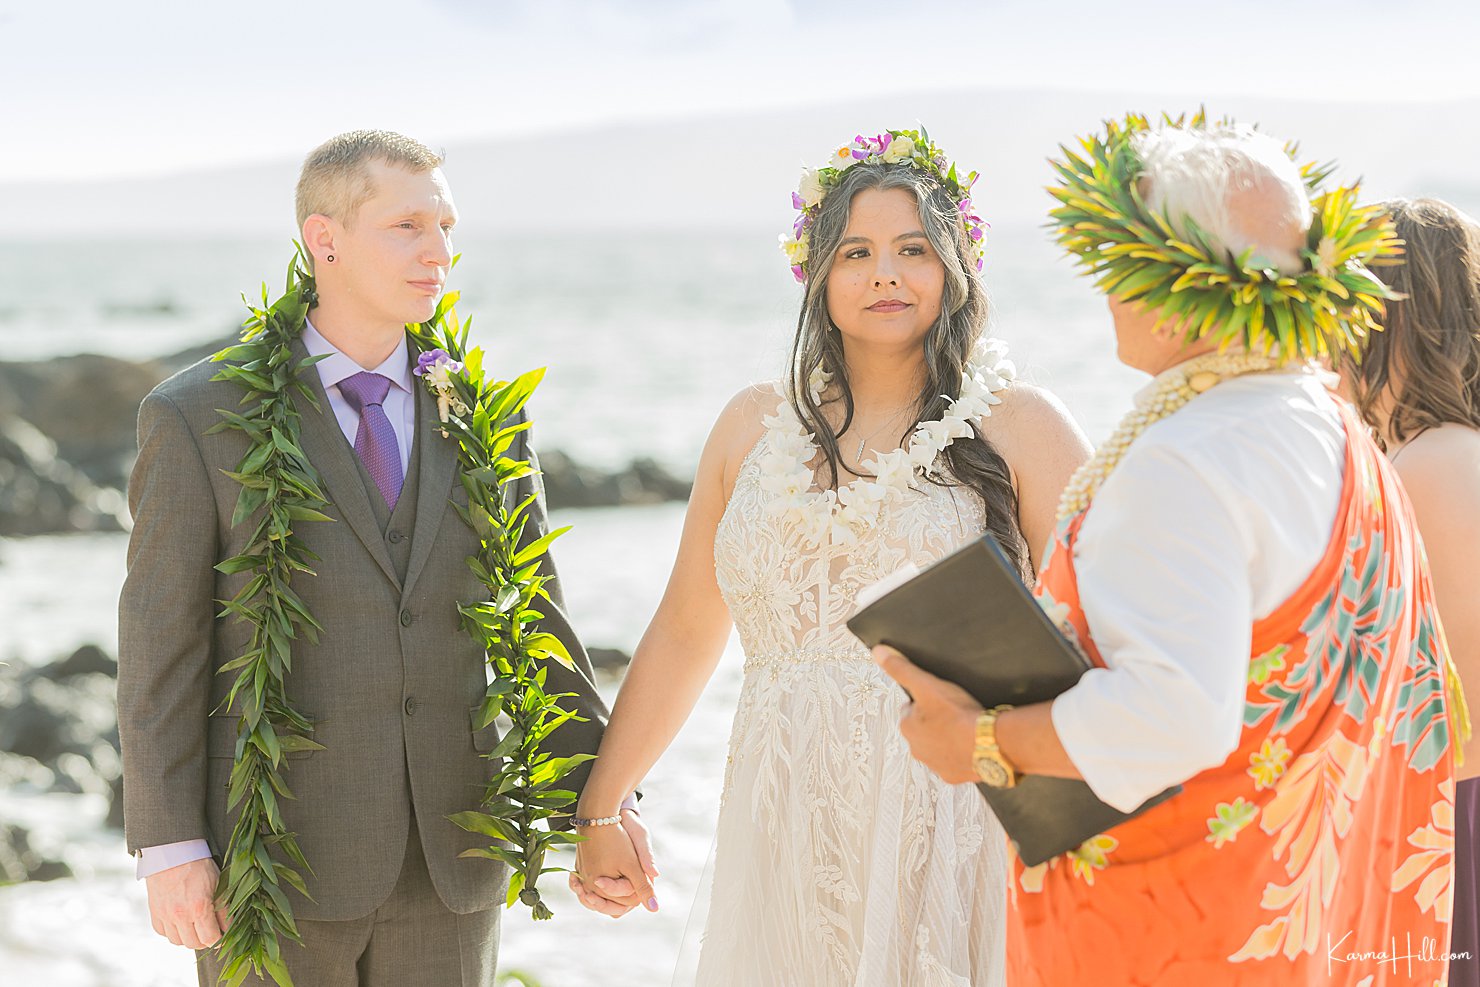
[(98, 90)]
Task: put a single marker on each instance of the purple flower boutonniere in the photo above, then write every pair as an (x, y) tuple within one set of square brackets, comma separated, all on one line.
[(436, 367)]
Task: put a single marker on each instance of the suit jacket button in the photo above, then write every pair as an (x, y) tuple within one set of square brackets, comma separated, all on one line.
[(410, 706), (396, 537), (405, 618)]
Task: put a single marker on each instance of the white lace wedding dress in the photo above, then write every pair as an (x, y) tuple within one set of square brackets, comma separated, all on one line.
[(840, 861)]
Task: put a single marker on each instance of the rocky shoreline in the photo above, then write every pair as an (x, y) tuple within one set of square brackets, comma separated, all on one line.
[(67, 443), (59, 735)]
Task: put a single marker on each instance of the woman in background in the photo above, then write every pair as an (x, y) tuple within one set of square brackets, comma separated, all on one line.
[(1418, 386)]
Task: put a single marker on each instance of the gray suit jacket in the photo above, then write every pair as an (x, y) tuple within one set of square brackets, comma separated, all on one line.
[(391, 686)]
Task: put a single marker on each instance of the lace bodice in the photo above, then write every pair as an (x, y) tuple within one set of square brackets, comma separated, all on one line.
[(790, 596), (840, 860)]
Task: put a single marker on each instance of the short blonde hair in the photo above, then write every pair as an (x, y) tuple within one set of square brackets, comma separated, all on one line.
[(335, 180)]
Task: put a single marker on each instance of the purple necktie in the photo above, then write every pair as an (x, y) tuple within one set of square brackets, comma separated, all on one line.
[(375, 441)]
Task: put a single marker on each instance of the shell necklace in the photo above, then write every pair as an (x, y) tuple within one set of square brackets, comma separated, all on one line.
[(842, 515), (1177, 387)]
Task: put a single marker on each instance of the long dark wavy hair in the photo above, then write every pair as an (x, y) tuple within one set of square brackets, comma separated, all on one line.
[(1428, 354), (948, 343)]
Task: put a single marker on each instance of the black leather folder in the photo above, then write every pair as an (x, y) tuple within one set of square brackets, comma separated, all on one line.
[(969, 618)]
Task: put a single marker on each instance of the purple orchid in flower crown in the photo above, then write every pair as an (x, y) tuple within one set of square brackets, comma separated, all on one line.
[(892, 147)]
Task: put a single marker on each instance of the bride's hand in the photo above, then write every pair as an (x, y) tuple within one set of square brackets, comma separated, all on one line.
[(615, 868)]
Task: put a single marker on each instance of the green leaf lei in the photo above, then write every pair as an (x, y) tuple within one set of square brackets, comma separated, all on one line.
[(280, 488), (1135, 254)]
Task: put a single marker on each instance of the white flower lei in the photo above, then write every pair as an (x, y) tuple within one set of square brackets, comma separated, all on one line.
[(842, 515)]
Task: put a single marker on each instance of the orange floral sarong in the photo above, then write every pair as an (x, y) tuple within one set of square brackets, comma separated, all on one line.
[(1322, 851)]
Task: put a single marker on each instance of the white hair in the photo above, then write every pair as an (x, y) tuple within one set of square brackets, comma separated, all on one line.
[(1237, 185)]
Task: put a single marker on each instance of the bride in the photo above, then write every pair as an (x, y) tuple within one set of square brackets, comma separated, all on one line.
[(898, 436)]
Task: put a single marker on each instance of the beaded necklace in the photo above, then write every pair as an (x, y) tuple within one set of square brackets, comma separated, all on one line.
[(1179, 386)]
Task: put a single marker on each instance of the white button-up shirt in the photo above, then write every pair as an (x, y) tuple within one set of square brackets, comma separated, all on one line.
[(400, 400), (1216, 516)]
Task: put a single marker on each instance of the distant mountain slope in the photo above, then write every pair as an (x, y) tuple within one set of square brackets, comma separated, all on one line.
[(734, 171)]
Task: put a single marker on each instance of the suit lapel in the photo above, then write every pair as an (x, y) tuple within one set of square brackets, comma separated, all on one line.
[(434, 485), (334, 458)]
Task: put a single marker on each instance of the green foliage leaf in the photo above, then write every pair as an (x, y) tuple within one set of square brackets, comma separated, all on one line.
[(538, 547)]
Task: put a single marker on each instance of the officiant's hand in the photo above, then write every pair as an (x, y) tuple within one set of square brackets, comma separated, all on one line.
[(615, 870), (940, 723), (182, 904)]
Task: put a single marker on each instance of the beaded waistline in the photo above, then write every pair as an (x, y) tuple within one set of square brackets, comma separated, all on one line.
[(809, 656)]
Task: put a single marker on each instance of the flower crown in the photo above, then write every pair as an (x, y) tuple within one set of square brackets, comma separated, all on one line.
[(1134, 253), (911, 147)]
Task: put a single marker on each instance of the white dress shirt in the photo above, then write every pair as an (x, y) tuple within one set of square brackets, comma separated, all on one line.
[(1216, 516), (400, 400)]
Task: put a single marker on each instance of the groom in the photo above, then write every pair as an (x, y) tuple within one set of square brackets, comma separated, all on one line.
[(394, 683)]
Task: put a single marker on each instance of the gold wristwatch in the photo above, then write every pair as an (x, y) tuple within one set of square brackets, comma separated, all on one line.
[(991, 767)]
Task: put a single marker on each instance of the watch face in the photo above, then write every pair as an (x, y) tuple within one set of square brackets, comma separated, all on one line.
[(991, 772)]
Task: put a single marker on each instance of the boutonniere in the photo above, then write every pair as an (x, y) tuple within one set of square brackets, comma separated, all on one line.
[(436, 367)]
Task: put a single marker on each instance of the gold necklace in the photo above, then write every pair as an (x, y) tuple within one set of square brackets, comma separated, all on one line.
[(1182, 384)]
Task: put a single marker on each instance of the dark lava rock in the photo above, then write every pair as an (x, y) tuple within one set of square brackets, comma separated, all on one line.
[(68, 726), (41, 493), (571, 484), (67, 444), (59, 733), (609, 659), (115, 804), (19, 862), (87, 405), (86, 660)]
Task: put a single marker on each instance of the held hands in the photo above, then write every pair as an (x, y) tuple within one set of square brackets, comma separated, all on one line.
[(940, 723), (182, 904), (614, 867)]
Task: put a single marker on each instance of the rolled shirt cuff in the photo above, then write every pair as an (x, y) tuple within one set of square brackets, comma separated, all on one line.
[(630, 802), (153, 859)]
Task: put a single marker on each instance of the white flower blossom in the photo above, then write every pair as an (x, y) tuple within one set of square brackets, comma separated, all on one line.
[(843, 515), (795, 250), (937, 435), (811, 188), (817, 382), (792, 444), (893, 471)]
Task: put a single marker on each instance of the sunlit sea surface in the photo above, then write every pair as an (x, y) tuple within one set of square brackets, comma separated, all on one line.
[(645, 337)]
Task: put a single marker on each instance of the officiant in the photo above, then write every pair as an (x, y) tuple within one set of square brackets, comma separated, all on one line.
[(1242, 569)]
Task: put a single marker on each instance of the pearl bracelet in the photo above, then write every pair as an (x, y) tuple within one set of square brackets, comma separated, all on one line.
[(603, 821)]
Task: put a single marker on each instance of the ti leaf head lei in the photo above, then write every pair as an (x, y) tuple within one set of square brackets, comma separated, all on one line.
[(1135, 254), (282, 491)]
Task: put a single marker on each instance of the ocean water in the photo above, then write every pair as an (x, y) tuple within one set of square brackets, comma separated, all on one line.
[(645, 337), (93, 931)]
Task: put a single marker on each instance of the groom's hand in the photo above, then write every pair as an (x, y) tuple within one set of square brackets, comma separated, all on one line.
[(182, 905)]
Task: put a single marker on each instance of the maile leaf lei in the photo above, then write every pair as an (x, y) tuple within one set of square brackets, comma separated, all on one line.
[(281, 489)]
